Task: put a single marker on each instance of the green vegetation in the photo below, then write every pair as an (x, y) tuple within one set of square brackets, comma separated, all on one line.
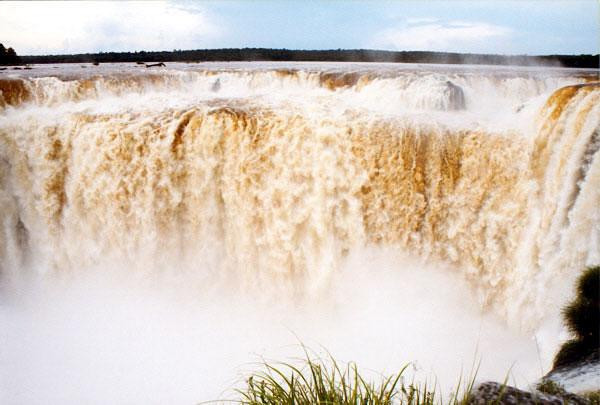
[(8, 56), (553, 388), (593, 397), (582, 317), (324, 382), (550, 387), (332, 55)]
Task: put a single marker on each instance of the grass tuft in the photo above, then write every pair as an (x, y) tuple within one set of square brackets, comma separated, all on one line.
[(550, 387), (593, 397), (327, 382)]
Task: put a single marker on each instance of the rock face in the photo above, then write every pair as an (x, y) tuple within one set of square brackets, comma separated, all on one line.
[(582, 376), (433, 93), (577, 363), (496, 393), (216, 86), (455, 96), (582, 318)]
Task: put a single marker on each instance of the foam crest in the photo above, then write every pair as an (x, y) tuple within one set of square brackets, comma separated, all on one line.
[(378, 89)]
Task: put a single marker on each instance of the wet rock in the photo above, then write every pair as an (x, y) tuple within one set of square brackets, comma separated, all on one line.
[(435, 94), (455, 96), (160, 64), (577, 363), (579, 377), (582, 318), (496, 393), (216, 86)]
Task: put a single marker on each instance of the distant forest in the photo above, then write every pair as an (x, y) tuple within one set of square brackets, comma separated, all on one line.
[(338, 55), (8, 56)]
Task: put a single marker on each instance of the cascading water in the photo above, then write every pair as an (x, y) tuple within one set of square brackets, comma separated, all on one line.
[(297, 184)]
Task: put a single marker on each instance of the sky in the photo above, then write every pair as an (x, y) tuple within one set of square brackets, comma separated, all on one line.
[(532, 27)]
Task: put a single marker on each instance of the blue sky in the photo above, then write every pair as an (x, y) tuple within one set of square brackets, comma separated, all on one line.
[(510, 27)]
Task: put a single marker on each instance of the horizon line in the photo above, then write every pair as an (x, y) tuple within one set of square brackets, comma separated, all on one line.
[(314, 50)]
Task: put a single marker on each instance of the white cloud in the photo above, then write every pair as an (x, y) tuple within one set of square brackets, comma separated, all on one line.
[(74, 27), (421, 20), (450, 36)]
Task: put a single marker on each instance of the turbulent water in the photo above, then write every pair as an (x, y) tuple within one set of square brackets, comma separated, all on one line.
[(343, 201)]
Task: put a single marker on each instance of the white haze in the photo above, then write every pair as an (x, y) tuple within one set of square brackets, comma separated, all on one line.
[(107, 338)]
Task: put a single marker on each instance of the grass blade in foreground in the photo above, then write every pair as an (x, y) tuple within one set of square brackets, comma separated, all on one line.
[(325, 382)]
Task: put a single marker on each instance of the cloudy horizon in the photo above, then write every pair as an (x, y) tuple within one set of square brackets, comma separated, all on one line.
[(502, 27)]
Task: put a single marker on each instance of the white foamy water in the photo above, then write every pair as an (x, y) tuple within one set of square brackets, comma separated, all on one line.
[(163, 229)]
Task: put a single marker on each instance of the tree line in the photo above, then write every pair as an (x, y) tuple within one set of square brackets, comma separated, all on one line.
[(333, 55), (8, 56)]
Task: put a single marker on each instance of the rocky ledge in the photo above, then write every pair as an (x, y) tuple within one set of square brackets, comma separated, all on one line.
[(496, 393)]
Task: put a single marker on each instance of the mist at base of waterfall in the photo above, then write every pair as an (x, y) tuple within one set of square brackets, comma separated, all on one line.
[(106, 336)]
